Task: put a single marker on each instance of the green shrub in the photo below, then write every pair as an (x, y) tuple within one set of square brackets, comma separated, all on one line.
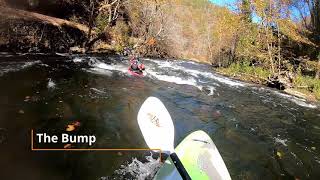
[(245, 68), (312, 84), (120, 35), (101, 22)]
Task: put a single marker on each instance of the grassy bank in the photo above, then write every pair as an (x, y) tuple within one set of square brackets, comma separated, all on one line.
[(308, 85), (303, 86)]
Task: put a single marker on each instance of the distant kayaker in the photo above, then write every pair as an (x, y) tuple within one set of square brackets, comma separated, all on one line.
[(136, 65)]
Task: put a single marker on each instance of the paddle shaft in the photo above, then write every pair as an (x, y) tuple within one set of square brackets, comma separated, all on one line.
[(176, 161)]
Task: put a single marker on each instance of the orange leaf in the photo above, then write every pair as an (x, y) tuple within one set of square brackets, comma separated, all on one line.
[(70, 128), (67, 146), (151, 41)]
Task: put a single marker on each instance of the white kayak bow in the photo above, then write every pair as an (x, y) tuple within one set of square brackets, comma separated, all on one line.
[(158, 130)]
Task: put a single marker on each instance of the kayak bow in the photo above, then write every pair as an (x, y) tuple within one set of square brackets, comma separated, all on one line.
[(158, 131), (133, 73), (196, 157)]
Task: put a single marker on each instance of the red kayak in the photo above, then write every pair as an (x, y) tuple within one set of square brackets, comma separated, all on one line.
[(138, 66), (134, 73)]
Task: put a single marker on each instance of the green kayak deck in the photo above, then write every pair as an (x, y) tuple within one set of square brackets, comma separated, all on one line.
[(200, 158)]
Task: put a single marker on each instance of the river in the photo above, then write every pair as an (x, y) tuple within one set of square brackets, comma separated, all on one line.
[(249, 124)]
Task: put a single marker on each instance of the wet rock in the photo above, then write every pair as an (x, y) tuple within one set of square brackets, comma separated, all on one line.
[(280, 81)]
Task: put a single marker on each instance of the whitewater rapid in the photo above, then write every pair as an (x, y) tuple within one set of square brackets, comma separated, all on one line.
[(255, 121), (189, 73)]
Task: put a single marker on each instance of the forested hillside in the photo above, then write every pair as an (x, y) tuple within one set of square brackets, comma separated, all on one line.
[(273, 42)]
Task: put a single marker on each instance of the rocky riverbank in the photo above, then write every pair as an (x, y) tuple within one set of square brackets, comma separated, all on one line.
[(262, 79), (23, 31)]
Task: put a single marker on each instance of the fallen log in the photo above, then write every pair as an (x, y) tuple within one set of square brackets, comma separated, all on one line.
[(32, 16)]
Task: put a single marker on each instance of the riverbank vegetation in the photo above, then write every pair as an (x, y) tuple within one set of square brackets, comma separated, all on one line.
[(279, 46), (271, 42)]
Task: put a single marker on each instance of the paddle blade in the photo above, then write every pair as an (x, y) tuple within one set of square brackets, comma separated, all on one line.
[(156, 125)]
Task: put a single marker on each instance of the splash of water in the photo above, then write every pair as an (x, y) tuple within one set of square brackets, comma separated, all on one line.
[(139, 170), (51, 84), (78, 60)]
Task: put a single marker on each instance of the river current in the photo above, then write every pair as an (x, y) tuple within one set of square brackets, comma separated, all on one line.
[(261, 133)]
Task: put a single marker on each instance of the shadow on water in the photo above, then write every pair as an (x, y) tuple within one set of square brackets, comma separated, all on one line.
[(260, 134)]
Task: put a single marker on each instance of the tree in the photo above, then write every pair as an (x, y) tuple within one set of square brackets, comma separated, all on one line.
[(246, 10), (309, 11), (318, 68), (314, 7), (103, 14), (147, 21)]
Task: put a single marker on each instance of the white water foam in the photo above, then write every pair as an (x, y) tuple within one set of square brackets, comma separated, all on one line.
[(62, 54), (101, 68), (294, 99), (111, 67), (16, 66), (175, 79), (196, 73), (215, 77), (77, 60), (98, 93), (5, 54), (28, 64), (98, 90), (194, 78), (99, 71), (51, 84), (281, 141), (212, 89), (169, 78), (192, 81), (140, 170), (298, 101)]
